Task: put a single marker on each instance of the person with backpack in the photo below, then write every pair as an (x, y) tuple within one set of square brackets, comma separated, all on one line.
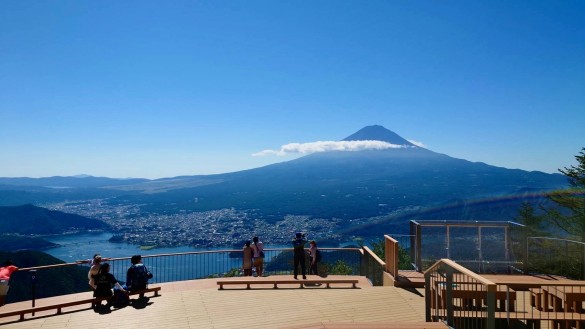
[(104, 280), (314, 257), (138, 275), (258, 249)]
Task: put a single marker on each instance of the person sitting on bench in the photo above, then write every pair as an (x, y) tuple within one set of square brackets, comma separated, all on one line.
[(138, 275), (104, 281)]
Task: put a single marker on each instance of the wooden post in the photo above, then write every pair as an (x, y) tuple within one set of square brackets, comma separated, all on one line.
[(428, 297), (449, 297), (491, 307)]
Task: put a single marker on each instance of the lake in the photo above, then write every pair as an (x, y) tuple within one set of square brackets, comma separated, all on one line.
[(195, 266), (84, 245)]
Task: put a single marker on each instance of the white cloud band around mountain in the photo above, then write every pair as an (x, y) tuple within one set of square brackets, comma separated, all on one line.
[(327, 146), (419, 144)]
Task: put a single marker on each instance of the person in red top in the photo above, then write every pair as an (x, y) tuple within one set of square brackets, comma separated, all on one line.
[(5, 272)]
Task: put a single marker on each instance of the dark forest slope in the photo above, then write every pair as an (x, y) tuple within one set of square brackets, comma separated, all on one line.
[(29, 219)]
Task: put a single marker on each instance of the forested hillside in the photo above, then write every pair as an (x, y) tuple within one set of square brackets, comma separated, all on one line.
[(16, 243), (29, 219)]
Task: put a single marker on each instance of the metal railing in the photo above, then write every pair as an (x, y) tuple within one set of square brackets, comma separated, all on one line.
[(556, 257), (484, 246), (191, 266)]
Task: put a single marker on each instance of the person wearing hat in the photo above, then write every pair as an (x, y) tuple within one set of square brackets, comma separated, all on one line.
[(299, 254)]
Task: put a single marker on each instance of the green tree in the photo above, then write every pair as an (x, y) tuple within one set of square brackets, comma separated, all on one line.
[(379, 248), (404, 260), (340, 268), (533, 222), (570, 215)]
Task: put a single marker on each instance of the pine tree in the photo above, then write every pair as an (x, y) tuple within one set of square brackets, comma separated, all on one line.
[(570, 215)]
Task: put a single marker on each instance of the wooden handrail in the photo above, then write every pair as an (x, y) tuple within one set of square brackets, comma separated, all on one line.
[(391, 250), (460, 269), (376, 258)]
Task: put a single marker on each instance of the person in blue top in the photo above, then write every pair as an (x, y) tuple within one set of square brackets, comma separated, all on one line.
[(137, 275), (299, 254)]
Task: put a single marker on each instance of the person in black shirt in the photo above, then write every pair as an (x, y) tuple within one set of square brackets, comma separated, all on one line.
[(104, 281), (299, 254)]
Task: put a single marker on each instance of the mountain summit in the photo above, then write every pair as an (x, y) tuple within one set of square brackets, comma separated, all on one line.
[(378, 133)]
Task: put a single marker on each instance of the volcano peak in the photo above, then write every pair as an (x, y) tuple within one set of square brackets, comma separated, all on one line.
[(378, 133)]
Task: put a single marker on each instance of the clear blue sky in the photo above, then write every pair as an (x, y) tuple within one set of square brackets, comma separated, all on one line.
[(166, 88)]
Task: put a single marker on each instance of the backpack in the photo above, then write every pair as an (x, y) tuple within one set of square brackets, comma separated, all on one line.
[(260, 251), (121, 299), (140, 276), (318, 255)]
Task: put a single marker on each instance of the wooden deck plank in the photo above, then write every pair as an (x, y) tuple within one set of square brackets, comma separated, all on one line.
[(198, 304)]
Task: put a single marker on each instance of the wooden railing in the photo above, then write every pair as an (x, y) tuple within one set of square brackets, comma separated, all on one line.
[(373, 267), (464, 299), (391, 254), (457, 296)]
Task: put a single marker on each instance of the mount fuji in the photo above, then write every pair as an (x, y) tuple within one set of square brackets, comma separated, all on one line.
[(410, 181), (404, 182)]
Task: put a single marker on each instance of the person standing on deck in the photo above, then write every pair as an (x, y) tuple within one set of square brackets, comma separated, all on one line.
[(247, 256), (258, 248), (313, 257), (299, 254)]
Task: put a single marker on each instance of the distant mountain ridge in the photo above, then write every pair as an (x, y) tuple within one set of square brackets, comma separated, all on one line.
[(79, 181), (349, 185), (365, 184)]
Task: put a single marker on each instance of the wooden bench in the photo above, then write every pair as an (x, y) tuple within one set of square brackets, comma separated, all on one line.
[(276, 282), (147, 290), (60, 306)]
